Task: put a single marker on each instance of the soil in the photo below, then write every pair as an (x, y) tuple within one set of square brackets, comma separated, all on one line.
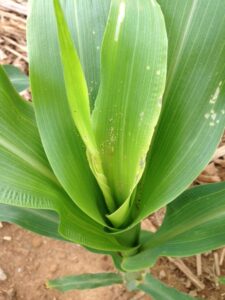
[(28, 260)]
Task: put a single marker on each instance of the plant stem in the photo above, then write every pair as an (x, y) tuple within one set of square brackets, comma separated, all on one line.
[(130, 238), (133, 279)]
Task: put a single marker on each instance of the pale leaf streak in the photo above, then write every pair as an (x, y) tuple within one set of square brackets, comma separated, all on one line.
[(182, 43), (153, 3), (43, 213), (129, 83), (120, 19), (28, 159)]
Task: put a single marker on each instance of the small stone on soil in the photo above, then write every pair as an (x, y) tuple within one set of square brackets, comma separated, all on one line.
[(7, 238), (36, 242), (193, 293), (1, 225), (162, 274), (61, 255), (188, 284), (53, 268), (3, 276)]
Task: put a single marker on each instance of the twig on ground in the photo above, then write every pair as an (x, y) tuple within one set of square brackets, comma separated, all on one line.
[(12, 42), (222, 256), (199, 264), (185, 270), (217, 265), (16, 53), (11, 5)]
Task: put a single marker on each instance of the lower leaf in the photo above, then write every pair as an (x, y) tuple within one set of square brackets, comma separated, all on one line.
[(84, 281), (18, 79), (43, 222), (159, 291)]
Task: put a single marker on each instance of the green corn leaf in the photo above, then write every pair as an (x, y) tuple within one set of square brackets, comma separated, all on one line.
[(74, 225), (54, 120), (18, 79), (133, 72), (221, 280), (43, 222), (87, 21), (194, 223), (193, 114), (26, 179), (77, 93), (25, 187), (18, 131), (159, 291), (84, 281)]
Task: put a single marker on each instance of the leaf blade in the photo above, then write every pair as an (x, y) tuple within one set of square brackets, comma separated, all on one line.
[(133, 63), (26, 179), (55, 125), (193, 224), (42, 222), (193, 116), (87, 25), (84, 281), (18, 79), (159, 290), (78, 100)]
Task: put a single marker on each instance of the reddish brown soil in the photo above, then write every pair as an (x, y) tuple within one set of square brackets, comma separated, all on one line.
[(29, 260)]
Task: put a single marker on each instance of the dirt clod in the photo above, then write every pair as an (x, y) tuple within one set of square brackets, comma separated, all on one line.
[(162, 274), (7, 238), (193, 293), (53, 268), (36, 242), (3, 276)]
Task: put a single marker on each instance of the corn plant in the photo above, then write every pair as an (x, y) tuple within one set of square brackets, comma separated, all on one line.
[(128, 108)]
